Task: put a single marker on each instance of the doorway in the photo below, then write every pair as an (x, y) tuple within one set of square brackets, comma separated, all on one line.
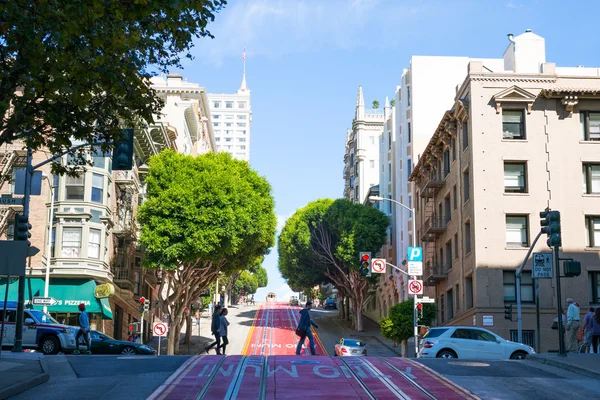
[(118, 318)]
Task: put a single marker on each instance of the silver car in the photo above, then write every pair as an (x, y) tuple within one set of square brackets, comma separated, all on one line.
[(350, 347)]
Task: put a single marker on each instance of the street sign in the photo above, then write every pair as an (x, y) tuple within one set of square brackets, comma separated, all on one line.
[(488, 320), (160, 329), (415, 287), (415, 268), (542, 265), (425, 300), (415, 254), (44, 301), (378, 266), (11, 201)]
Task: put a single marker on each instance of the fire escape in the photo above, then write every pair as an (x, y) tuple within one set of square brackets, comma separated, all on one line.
[(11, 155)]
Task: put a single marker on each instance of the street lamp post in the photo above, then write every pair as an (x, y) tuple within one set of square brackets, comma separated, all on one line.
[(414, 244), (49, 244)]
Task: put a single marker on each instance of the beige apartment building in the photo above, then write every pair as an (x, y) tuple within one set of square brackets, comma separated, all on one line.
[(514, 142)]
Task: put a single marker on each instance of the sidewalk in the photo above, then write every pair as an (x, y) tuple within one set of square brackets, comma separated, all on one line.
[(19, 372), (584, 364)]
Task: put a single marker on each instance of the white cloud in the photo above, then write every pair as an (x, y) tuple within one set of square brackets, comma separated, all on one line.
[(281, 220), (275, 28), (513, 5)]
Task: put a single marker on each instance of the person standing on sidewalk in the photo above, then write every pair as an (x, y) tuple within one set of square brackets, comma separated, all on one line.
[(304, 330), (215, 327), (587, 329), (572, 326), (84, 330), (595, 327), (223, 329)]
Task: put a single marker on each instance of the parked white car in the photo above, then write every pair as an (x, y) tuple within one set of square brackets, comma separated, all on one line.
[(470, 342)]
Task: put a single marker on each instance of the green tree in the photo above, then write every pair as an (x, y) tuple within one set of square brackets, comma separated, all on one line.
[(261, 276), (392, 102), (375, 104), (80, 69), (203, 215), (321, 242), (246, 281), (398, 324)]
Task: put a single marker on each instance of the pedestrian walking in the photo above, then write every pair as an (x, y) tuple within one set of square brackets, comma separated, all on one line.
[(215, 327), (84, 330), (223, 329), (304, 329), (595, 327), (587, 330), (572, 325)]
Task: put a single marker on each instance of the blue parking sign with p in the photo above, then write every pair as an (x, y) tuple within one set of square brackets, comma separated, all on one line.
[(415, 254)]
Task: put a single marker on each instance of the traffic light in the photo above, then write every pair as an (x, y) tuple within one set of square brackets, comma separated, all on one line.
[(365, 263), (508, 312), (22, 227), (551, 227), (122, 158), (420, 310), (142, 304), (146, 305)]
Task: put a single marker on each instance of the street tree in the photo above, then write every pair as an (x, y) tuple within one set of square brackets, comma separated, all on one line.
[(321, 242), (81, 70), (203, 215), (261, 276), (398, 325), (375, 104)]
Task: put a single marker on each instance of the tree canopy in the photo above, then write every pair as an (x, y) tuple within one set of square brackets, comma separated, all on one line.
[(203, 215), (80, 69), (321, 243), (246, 281), (261, 276), (398, 324)]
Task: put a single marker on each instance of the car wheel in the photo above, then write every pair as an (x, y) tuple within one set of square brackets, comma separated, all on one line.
[(518, 355), (128, 351), (50, 345), (447, 354)]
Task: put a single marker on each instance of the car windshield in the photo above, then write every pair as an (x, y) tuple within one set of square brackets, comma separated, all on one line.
[(42, 317), (353, 342), (434, 332)]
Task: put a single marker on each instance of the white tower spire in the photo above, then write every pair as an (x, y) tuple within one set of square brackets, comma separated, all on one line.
[(243, 86)]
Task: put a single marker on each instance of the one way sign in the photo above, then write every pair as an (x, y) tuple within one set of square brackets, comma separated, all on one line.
[(44, 301)]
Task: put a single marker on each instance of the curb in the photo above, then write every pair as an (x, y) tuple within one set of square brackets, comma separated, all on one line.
[(565, 366), (22, 386)]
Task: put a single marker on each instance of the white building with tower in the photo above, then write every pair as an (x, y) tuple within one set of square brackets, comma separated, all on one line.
[(232, 119)]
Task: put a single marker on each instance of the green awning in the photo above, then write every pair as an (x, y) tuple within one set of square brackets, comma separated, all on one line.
[(69, 293)]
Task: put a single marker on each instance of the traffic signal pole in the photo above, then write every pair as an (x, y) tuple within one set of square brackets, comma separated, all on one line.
[(561, 336), (518, 274)]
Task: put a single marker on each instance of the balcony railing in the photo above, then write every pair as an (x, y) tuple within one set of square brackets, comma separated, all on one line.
[(435, 273), (127, 178), (436, 179), (433, 227), (124, 277)]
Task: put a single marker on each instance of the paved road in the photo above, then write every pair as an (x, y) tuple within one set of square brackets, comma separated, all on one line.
[(273, 332), (512, 380)]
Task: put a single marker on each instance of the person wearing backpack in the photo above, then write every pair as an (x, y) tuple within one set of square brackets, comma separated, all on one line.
[(595, 327), (223, 329)]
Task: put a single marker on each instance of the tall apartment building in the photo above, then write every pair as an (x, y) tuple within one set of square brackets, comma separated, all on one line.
[(426, 88), (94, 234), (231, 120), (361, 157), (514, 141)]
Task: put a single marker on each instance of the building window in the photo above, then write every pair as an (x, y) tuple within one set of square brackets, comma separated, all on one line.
[(515, 180), (590, 123), (591, 178), (447, 211), (517, 234), (448, 255), (136, 286), (457, 294), (456, 246), (215, 124), (469, 293), (409, 133), (217, 139), (71, 242), (467, 237), (228, 139), (389, 172), (228, 124), (216, 104), (446, 163), (372, 163), (229, 104), (453, 147), (96, 214), (241, 124), (241, 104), (216, 116), (97, 188), (243, 117), (389, 141), (594, 282), (243, 132), (510, 287), (228, 116), (450, 307), (592, 227), (455, 197), (10, 230), (465, 135), (409, 167), (242, 140), (528, 337), (442, 319), (75, 187), (466, 186), (513, 124), (53, 242), (408, 96), (99, 158), (94, 243), (55, 186)]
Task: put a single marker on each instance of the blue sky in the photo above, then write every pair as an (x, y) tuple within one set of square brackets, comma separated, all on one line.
[(305, 60)]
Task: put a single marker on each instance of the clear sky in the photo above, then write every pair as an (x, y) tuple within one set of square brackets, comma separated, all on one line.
[(305, 60)]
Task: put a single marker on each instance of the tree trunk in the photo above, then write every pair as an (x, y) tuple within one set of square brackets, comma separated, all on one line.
[(188, 329), (347, 305), (359, 316), (178, 327), (404, 347), (226, 298), (171, 341), (342, 309)]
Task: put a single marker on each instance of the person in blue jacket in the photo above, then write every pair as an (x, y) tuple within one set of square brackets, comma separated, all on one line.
[(84, 330), (304, 326)]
